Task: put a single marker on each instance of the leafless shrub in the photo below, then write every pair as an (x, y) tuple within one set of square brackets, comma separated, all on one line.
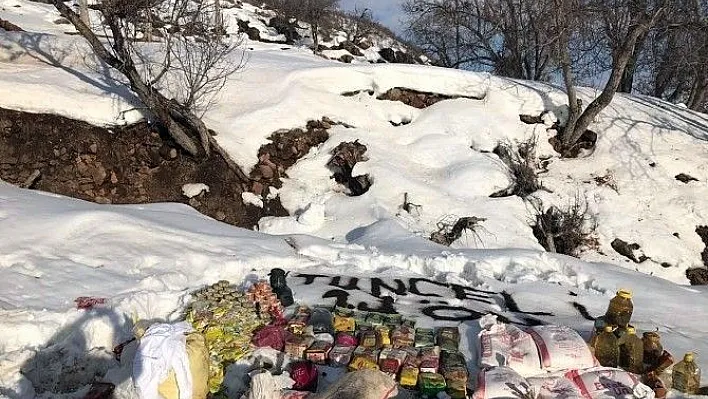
[(450, 230), (565, 231), (522, 168)]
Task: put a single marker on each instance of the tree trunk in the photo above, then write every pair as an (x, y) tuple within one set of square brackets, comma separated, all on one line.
[(315, 38), (622, 56), (84, 12), (627, 82)]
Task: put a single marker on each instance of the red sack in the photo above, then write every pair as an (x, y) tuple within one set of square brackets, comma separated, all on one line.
[(272, 335), (305, 376), (89, 302), (344, 339)]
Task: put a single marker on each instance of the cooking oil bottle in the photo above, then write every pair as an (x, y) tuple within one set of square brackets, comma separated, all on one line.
[(606, 348), (619, 311), (631, 350), (686, 376)]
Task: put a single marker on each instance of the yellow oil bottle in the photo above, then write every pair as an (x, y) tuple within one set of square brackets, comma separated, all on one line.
[(631, 350), (606, 348), (619, 311), (686, 375)]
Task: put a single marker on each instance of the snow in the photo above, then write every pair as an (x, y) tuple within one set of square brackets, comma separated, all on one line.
[(146, 259), (194, 189), (252, 199)]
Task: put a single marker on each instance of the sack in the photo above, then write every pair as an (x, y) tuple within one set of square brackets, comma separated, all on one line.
[(561, 348), (605, 383), (362, 384), (554, 386), (501, 382), (507, 345), (270, 336), (199, 367), (305, 376)]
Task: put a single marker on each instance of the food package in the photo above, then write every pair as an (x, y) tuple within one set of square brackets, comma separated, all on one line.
[(296, 345), (340, 356), (429, 359), (297, 324), (410, 323), (318, 352), (305, 375), (430, 384), (452, 360), (360, 319), (321, 321), (561, 348), (367, 338), (227, 320), (413, 358), (198, 367), (403, 337), (604, 382), (374, 319), (409, 376), (506, 345), (424, 337), (346, 339), (273, 336), (456, 380), (392, 320), (391, 360), (363, 384), (448, 338), (383, 336), (360, 362), (344, 323), (501, 383), (370, 353)]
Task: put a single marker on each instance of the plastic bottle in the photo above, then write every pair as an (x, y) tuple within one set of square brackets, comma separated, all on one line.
[(631, 349), (619, 311), (686, 376), (606, 348), (597, 329)]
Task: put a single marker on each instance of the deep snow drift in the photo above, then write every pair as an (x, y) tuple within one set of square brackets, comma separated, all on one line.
[(145, 259)]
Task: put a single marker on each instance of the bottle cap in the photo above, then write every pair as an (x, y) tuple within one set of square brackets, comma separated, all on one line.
[(624, 293), (688, 357), (631, 330), (608, 328)]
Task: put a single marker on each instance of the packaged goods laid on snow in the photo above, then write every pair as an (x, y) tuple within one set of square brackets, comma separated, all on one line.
[(363, 384), (605, 383), (686, 375), (227, 319), (501, 382), (507, 345), (561, 348), (553, 386)]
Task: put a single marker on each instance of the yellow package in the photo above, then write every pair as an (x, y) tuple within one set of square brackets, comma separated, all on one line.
[(198, 366), (409, 376), (362, 363), (344, 324)]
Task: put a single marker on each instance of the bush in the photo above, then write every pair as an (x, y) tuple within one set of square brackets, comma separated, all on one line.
[(521, 168), (565, 231)]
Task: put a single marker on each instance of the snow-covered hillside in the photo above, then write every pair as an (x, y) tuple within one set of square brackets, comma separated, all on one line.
[(146, 258)]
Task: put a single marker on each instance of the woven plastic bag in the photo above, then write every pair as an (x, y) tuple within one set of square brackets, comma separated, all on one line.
[(199, 367), (362, 384)]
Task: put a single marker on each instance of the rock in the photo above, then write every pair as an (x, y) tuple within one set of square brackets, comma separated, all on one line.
[(98, 174), (266, 172), (93, 148), (395, 94), (220, 216), (684, 178), (257, 188), (114, 178), (193, 202), (346, 58), (697, 275), (102, 200), (388, 54)]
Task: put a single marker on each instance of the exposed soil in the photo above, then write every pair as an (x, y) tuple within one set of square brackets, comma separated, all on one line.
[(702, 232), (684, 178), (127, 165), (344, 157), (416, 99), (584, 146), (627, 250), (9, 26)]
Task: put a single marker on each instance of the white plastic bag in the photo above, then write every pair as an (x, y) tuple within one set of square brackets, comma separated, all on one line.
[(502, 383), (554, 386), (265, 385), (507, 345), (561, 348), (361, 384), (606, 383)]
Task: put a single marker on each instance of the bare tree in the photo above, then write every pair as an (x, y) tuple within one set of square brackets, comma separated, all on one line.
[(359, 25), (570, 15), (175, 78), (508, 37), (314, 12)]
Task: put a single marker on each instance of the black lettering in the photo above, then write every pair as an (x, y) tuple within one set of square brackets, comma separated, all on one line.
[(583, 311), (462, 292), (434, 312), (342, 298), (352, 285), (413, 286), (310, 278), (377, 283), (512, 306), (385, 306)]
